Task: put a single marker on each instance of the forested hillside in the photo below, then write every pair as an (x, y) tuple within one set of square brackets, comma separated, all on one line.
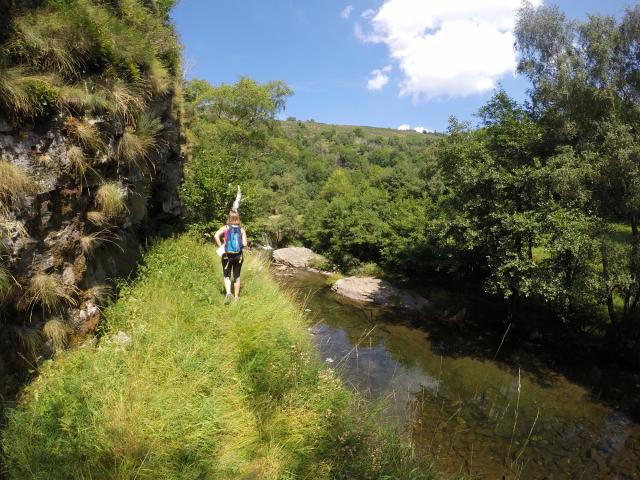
[(537, 203)]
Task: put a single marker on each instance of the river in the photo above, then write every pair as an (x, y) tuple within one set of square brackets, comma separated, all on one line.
[(462, 401)]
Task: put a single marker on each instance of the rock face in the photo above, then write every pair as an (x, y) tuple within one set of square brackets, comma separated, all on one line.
[(49, 232), (298, 257), (379, 292)]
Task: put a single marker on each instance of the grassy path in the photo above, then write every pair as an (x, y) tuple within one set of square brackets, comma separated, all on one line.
[(182, 387)]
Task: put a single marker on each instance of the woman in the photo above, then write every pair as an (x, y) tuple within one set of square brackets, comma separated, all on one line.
[(235, 238)]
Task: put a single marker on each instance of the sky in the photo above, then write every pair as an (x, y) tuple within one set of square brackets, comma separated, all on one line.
[(383, 63)]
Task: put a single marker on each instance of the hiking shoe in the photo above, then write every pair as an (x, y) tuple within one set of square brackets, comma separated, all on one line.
[(227, 299), (235, 300)]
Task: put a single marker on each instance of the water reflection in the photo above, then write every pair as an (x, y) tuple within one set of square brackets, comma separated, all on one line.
[(476, 415)]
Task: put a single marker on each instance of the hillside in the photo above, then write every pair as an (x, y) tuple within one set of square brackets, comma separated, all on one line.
[(316, 127)]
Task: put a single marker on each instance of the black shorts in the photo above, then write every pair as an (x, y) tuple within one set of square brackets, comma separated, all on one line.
[(232, 261)]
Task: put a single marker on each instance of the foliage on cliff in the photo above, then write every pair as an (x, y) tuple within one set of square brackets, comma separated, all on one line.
[(182, 386), (89, 158), (86, 57)]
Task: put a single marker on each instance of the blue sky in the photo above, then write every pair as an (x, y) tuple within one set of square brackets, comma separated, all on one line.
[(365, 62)]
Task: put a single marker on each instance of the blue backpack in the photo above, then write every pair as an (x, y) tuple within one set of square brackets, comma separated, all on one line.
[(234, 239)]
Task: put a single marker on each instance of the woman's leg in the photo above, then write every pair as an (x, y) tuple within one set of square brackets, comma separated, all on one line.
[(226, 271), (237, 266)]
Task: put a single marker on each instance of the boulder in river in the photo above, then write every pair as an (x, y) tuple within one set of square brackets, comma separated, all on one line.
[(298, 257), (379, 292)]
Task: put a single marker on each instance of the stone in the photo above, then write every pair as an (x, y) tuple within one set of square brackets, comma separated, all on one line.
[(68, 275), (4, 126), (298, 257), (379, 292)]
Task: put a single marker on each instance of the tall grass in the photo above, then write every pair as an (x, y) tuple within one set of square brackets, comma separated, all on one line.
[(110, 199), (15, 183), (47, 291), (181, 386)]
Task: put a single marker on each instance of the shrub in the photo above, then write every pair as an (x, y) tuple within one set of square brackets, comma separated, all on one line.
[(110, 200), (368, 269)]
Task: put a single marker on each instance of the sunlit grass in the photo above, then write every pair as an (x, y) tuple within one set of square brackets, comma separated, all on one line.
[(57, 332), (47, 291), (182, 386), (15, 183), (110, 200)]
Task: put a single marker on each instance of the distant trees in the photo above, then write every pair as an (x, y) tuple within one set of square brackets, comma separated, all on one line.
[(540, 202)]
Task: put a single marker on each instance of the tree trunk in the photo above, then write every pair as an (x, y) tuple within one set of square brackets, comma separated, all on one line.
[(606, 279), (632, 294)]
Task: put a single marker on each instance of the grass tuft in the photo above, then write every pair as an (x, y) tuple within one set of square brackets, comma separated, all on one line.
[(110, 200), (91, 241), (135, 146), (85, 134), (159, 77), (57, 332), (14, 184), (27, 97), (127, 100), (47, 291), (30, 341), (96, 218), (79, 166), (6, 285)]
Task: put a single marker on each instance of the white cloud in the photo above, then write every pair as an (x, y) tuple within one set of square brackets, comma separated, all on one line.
[(406, 127), (378, 78), (446, 48), (346, 11), (369, 13)]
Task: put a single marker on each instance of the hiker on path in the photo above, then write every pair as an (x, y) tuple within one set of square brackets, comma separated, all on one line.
[(235, 238)]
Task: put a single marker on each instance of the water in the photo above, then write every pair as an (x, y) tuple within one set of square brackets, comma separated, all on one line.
[(507, 418)]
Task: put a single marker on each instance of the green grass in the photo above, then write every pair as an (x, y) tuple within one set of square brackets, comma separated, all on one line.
[(193, 389)]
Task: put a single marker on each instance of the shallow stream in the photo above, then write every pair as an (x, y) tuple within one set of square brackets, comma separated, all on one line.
[(477, 409)]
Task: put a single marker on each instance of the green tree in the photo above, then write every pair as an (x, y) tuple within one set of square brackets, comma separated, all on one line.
[(231, 126)]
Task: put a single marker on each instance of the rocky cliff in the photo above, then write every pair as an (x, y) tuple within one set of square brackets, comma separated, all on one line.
[(90, 162)]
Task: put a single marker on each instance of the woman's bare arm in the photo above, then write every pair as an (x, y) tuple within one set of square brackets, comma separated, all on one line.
[(218, 234), (244, 238)]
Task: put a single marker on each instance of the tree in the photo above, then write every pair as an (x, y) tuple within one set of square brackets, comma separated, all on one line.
[(230, 125)]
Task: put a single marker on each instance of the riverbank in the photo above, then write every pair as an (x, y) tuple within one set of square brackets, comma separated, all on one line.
[(181, 386)]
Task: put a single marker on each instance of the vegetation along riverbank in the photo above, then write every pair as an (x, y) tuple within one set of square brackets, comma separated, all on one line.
[(180, 386)]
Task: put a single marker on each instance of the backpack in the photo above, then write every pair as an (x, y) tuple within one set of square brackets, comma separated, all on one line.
[(233, 241)]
